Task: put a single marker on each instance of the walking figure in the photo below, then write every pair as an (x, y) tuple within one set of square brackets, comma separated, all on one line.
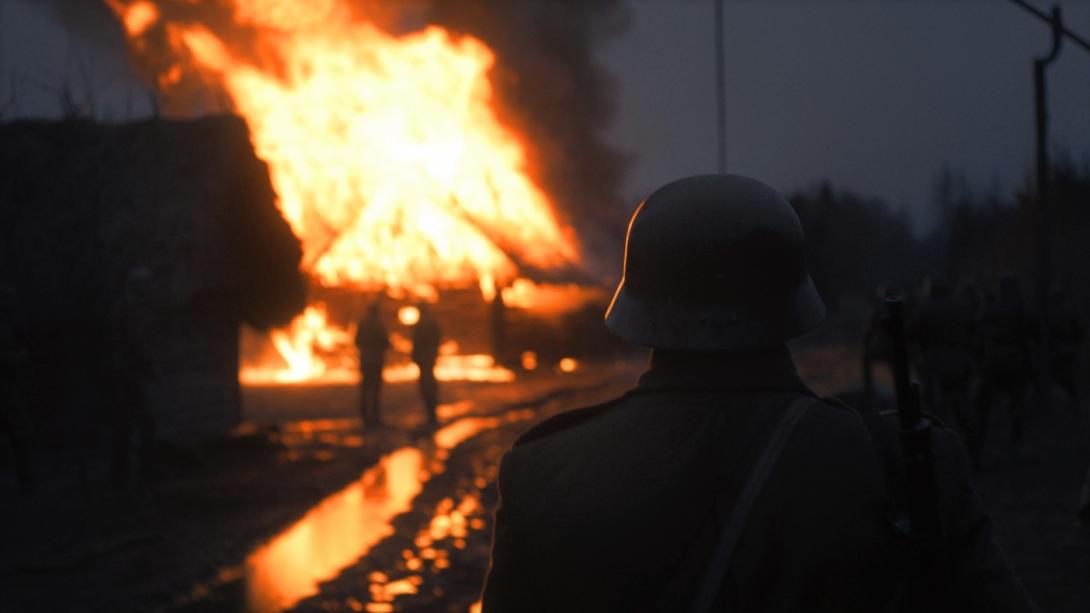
[(371, 343), (426, 338)]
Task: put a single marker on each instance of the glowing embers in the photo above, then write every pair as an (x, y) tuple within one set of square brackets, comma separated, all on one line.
[(477, 367), (383, 591), (326, 432), (529, 360)]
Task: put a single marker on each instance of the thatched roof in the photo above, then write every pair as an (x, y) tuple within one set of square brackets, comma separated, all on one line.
[(83, 203)]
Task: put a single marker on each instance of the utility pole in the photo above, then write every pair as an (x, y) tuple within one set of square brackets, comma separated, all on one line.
[(720, 88), (1043, 167), (1044, 180)]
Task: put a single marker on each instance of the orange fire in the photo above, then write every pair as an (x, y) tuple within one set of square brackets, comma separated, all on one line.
[(386, 152)]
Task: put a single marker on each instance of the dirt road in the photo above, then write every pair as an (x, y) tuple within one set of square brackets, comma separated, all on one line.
[(301, 510)]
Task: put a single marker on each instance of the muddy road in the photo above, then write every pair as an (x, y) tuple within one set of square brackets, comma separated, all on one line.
[(303, 511)]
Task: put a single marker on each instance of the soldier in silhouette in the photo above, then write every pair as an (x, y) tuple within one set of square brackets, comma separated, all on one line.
[(371, 343), (497, 321), (721, 482), (426, 337)]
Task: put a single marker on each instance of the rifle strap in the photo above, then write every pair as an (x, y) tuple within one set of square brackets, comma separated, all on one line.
[(731, 529)]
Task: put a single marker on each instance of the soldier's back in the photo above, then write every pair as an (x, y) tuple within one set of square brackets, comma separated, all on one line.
[(617, 509)]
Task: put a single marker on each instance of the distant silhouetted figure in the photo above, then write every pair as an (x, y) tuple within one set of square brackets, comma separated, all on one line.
[(1067, 334), (372, 343), (426, 338), (943, 329), (721, 482), (14, 356), (498, 323), (1006, 334), (877, 345), (133, 367)]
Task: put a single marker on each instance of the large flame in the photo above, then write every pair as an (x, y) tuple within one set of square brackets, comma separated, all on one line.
[(386, 152)]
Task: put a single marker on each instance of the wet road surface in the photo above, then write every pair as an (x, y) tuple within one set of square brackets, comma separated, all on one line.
[(411, 532)]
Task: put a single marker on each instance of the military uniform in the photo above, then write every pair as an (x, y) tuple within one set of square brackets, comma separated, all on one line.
[(721, 482), (615, 508), (372, 343), (426, 337)]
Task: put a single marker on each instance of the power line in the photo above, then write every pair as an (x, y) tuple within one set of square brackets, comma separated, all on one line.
[(1047, 18)]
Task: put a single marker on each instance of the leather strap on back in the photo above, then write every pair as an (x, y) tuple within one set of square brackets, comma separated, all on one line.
[(731, 530)]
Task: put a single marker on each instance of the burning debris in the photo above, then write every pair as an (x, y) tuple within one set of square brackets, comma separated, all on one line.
[(392, 156)]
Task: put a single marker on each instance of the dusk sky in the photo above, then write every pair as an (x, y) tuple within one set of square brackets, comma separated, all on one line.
[(876, 96)]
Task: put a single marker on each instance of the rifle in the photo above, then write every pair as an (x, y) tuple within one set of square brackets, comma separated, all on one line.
[(914, 434)]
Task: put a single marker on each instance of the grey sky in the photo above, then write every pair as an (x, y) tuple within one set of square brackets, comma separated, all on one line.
[(876, 96)]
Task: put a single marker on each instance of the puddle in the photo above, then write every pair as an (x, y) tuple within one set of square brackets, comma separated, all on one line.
[(340, 530), (346, 525)]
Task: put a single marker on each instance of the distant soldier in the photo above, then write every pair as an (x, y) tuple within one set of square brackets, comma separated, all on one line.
[(133, 368), (14, 423), (372, 343), (498, 324), (1006, 334), (426, 338), (942, 328), (1067, 335), (876, 345), (721, 482)]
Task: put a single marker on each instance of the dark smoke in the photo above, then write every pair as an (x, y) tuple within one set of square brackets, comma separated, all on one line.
[(550, 87), (556, 92)]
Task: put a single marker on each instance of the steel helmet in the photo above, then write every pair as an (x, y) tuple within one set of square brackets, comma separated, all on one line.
[(714, 262)]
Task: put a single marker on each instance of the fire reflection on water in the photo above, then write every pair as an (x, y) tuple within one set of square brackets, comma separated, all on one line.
[(345, 526), (341, 529)]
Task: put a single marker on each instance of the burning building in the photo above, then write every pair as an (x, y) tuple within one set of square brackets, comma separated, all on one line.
[(83, 204), (397, 150)]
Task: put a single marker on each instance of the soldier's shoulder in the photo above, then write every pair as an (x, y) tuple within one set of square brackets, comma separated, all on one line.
[(838, 403), (565, 421)]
